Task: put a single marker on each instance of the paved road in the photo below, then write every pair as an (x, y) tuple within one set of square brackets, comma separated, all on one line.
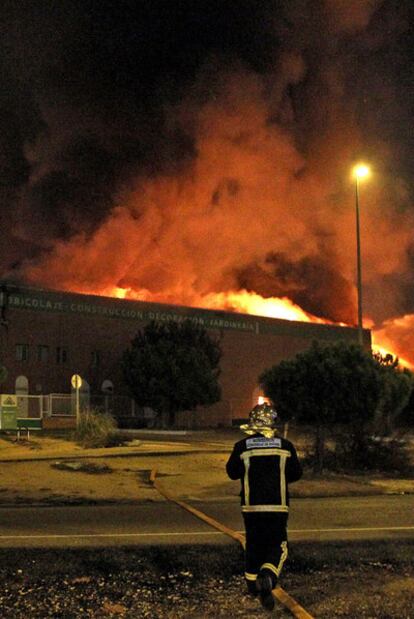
[(166, 523)]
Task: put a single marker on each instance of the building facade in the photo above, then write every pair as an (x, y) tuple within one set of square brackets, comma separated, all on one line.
[(47, 336)]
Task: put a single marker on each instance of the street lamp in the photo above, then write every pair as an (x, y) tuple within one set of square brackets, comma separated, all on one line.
[(360, 171)]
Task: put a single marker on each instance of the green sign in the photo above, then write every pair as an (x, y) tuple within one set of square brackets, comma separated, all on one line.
[(8, 419)]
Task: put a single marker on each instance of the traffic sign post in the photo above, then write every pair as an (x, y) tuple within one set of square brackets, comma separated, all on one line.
[(76, 382)]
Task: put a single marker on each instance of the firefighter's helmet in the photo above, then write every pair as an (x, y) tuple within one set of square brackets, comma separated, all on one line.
[(262, 419)]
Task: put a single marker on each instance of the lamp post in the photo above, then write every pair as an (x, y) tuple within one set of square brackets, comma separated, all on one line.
[(361, 171)]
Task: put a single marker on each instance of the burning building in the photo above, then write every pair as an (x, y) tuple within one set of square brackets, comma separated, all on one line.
[(202, 156), (47, 336)]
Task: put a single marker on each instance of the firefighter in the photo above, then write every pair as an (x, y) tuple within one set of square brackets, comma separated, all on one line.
[(265, 464)]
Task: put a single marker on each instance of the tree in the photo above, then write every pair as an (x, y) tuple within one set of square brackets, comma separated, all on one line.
[(172, 367), (398, 386), (339, 383), (406, 419)]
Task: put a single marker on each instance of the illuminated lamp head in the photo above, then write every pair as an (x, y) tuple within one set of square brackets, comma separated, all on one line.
[(262, 420), (361, 171)]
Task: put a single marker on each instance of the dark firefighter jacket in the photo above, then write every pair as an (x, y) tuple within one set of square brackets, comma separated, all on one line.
[(265, 467)]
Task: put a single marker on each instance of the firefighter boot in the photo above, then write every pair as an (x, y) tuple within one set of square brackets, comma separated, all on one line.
[(264, 586)]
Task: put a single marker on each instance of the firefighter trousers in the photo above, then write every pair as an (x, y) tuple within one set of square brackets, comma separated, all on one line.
[(266, 545)]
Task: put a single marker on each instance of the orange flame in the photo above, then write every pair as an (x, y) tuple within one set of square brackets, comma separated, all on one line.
[(234, 301), (385, 347), (252, 303)]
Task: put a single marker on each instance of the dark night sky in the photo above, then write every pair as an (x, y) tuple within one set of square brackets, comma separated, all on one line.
[(105, 70), (99, 97)]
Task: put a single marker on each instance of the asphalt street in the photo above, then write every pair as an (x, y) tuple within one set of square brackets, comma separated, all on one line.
[(353, 518)]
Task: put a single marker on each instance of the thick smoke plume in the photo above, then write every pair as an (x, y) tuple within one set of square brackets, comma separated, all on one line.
[(180, 171)]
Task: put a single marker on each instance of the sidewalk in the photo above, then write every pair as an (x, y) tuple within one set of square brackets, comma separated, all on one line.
[(45, 448), (52, 471), (190, 466)]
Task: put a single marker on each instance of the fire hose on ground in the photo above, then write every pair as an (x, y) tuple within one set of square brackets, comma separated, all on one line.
[(280, 594)]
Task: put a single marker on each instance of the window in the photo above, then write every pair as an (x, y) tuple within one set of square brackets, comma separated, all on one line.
[(43, 353), (61, 355), (107, 387), (22, 388), (96, 358), (22, 352)]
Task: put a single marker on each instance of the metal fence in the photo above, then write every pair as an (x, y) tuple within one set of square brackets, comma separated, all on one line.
[(61, 404), (64, 404), (127, 413), (32, 405)]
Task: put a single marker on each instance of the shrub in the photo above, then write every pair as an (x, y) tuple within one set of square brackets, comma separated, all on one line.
[(96, 429), (381, 455), (387, 456)]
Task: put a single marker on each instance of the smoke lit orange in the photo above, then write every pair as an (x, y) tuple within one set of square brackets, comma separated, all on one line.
[(250, 211)]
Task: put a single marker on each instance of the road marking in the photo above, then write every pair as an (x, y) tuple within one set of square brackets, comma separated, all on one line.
[(351, 529), (108, 535), (196, 533)]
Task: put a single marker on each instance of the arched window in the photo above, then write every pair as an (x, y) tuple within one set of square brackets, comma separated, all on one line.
[(22, 385), (107, 387)]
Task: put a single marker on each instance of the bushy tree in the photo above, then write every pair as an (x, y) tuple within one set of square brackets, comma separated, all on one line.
[(406, 419), (172, 367), (398, 386), (327, 384)]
